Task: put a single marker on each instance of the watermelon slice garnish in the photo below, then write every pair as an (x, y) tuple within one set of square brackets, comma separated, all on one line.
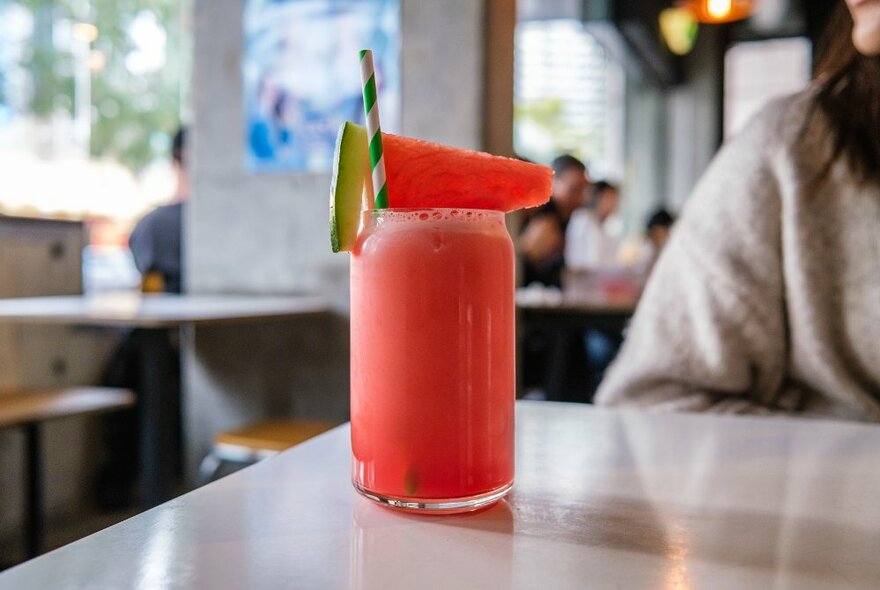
[(425, 174), (421, 174)]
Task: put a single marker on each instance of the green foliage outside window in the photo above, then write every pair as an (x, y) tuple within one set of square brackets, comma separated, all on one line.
[(549, 116), (133, 109)]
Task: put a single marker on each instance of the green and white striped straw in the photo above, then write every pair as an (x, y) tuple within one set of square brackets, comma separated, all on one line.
[(374, 131)]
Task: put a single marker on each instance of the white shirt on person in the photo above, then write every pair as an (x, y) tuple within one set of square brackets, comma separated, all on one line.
[(589, 244)]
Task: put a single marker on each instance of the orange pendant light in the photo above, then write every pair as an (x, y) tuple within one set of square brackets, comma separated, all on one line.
[(719, 11)]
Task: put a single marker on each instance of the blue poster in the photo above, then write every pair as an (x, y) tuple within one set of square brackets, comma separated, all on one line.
[(302, 76)]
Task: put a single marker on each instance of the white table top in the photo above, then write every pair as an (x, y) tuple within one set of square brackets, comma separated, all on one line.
[(132, 309), (603, 499)]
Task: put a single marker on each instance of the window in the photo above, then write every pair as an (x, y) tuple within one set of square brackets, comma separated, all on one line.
[(568, 96), (88, 97), (755, 72)]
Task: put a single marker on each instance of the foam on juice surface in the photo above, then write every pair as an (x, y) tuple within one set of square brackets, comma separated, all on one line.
[(405, 215)]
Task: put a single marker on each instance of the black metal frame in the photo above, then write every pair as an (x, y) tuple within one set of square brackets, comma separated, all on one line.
[(33, 490), (159, 413)]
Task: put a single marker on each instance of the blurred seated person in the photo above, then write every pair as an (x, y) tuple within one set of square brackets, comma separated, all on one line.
[(592, 244), (658, 227), (591, 239), (155, 246), (541, 246), (767, 297), (657, 231), (155, 240), (541, 241)]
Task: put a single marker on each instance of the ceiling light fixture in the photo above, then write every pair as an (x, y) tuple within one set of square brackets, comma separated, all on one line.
[(718, 11)]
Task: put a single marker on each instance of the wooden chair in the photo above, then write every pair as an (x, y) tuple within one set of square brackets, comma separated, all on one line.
[(29, 409), (256, 442)]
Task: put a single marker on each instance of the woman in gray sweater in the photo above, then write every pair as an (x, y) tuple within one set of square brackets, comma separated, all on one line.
[(767, 297)]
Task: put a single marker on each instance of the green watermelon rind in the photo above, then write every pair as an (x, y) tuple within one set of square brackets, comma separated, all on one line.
[(351, 170)]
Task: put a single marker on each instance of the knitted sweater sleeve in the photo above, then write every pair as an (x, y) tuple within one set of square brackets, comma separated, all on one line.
[(710, 330)]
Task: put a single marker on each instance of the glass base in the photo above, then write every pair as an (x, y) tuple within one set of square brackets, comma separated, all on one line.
[(438, 505)]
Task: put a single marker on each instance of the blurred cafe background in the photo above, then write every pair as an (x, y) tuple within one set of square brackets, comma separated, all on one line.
[(223, 113)]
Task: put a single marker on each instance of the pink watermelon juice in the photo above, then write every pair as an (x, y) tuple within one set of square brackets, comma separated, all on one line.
[(432, 359)]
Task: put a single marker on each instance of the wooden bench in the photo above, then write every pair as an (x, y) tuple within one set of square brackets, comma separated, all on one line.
[(257, 441), (29, 409)]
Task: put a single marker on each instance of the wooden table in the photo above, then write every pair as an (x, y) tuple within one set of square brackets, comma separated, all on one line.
[(564, 317), (155, 315), (603, 499)]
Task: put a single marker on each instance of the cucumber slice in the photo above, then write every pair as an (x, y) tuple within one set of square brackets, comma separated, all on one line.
[(351, 176)]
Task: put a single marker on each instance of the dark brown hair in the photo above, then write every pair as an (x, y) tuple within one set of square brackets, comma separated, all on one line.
[(178, 146), (848, 94)]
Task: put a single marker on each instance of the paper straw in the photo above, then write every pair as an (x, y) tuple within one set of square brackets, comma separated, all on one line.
[(374, 131)]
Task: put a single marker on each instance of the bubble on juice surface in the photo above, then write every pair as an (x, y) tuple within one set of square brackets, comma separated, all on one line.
[(435, 215)]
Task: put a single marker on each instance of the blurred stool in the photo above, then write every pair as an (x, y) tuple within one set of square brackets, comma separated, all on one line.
[(255, 442), (28, 409)]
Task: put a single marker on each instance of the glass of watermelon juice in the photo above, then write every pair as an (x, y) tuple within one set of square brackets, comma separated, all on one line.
[(432, 358)]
